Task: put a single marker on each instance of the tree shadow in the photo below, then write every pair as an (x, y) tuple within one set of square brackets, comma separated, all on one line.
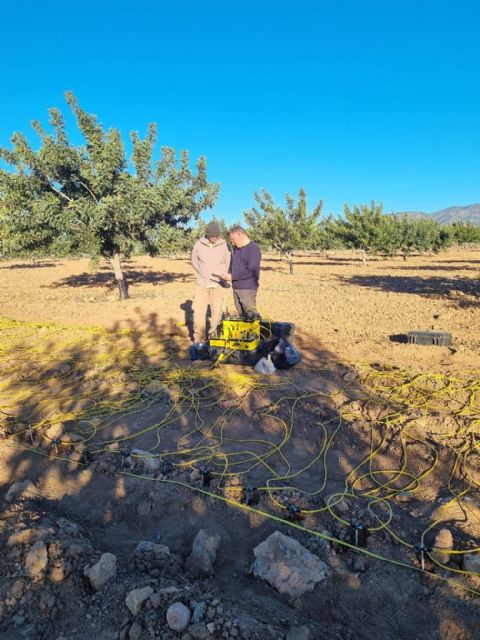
[(432, 287), (187, 308), (28, 265), (132, 276), (296, 436)]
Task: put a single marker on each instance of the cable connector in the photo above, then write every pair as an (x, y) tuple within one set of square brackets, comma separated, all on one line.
[(294, 512), (206, 476), (252, 496), (421, 550), (167, 467), (359, 534)]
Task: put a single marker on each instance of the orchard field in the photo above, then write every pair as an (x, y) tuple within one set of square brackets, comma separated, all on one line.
[(111, 432)]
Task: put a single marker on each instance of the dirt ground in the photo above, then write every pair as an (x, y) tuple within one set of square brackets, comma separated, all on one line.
[(363, 453), (353, 311)]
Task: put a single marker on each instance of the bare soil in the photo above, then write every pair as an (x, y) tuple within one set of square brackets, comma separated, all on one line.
[(367, 432)]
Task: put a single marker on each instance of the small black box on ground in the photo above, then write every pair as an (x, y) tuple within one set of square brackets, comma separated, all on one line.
[(438, 338)]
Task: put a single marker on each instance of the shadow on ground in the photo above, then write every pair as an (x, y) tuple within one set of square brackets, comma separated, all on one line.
[(73, 410)]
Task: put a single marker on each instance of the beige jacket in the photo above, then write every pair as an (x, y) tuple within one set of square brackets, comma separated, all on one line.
[(208, 259)]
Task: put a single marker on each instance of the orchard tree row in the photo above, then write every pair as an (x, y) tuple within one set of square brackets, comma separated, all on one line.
[(365, 228), (60, 199)]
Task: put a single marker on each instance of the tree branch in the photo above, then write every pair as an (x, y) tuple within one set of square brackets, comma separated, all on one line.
[(89, 191), (59, 192)]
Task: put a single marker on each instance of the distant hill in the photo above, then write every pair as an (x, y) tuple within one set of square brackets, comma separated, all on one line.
[(470, 213)]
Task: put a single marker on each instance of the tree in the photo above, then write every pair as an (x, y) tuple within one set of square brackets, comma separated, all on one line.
[(176, 240), (87, 196), (465, 233), (283, 229), (360, 228)]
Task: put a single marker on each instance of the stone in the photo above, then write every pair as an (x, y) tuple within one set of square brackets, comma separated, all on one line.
[(144, 508), (471, 562), (156, 600), (199, 631), (298, 633), (198, 611), (20, 490), (18, 620), (36, 561), (158, 550), (287, 565), (211, 627), (103, 571), (358, 564), (30, 536), (443, 541), (135, 632), (55, 431), (145, 459), (136, 599), (178, 617), (204, 552)]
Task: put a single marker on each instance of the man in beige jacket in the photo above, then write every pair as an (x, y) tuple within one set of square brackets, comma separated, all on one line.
[(210, 259)]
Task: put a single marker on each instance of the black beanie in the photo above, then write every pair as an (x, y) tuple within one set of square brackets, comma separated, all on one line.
[(213, 229)]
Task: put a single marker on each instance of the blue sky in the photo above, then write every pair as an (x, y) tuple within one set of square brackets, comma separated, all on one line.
[(353, 100)]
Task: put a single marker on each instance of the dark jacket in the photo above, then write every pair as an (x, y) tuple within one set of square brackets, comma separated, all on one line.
[(245, 267)]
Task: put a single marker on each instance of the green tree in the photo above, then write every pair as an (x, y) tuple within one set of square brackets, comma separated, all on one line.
[(360, 228), (465, 233), (283, 229), (87, 195)]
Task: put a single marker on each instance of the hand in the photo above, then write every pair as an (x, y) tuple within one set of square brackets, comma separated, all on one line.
[(226, 276)]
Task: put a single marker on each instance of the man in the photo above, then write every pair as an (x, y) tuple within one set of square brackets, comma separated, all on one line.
[(210, 257), (245, 271)]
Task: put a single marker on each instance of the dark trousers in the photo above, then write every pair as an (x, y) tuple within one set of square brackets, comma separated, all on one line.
[(245, 300)]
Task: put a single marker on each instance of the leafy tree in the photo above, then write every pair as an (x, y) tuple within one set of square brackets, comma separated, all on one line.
[(464, 233), (283, 229), (327, 235), (360, 228), (171, 240), (87, 195)]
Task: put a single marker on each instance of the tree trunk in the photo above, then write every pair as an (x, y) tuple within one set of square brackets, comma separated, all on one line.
[(364, 257), (121, 282), (290, 263)]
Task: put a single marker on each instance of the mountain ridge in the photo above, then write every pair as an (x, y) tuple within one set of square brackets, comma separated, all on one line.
[(469, 213)]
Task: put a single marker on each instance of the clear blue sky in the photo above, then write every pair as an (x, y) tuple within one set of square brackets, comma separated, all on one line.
[(353, 100)]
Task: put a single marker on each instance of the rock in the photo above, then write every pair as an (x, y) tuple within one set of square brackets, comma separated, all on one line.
[(136, 599), (195, 475), (199, 631), (204, 552), (18, 620), (36, 561), (287, 565), (198, 611), (103, 571), (443, 540), (20, 490), (144, 508), (471, 562), (156, 600), (349, 377), (211, 627), (55, 431), (158, 550), (135, 632), (178, 617), (298, 633), (145, 459), (358, 564), (30, 536)]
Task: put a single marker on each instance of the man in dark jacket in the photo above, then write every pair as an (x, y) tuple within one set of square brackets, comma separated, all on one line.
[(245, 270)]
